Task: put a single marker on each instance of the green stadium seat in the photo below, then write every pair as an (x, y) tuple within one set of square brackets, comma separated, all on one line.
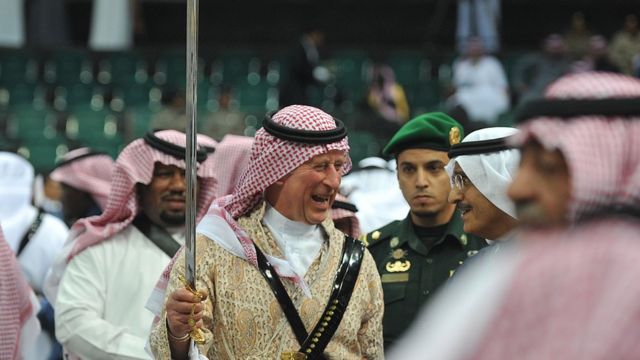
[(410, 67), (236, 66), (138, 122), (257, 98), (20, 94), (27, 123), (67, 97), (17, 67), (123, 69), (43, 154), (426, 97), (133, 95), (351, 69), (68, 67), (88, 125), (171, 69)]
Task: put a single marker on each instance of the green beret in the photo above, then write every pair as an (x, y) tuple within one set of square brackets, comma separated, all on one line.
[(435, 130)]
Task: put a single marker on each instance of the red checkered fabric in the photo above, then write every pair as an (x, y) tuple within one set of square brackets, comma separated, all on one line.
[(574, 295), (91, 174), (135, 165), (602, 153), (349, 216), (231, 158), (15, 302), (272, 158)]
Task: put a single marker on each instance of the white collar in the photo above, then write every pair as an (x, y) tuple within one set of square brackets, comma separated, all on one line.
[(274, 219), (300, 243)]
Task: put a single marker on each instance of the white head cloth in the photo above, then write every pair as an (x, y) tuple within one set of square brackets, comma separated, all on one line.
[(16, 190), (491, 173)]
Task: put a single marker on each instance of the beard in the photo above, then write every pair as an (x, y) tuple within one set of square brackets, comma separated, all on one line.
[(172, 219), (425, 214)]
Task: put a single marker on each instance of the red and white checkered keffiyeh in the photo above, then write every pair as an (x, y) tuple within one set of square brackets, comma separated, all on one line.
[(231, 158), (91, 174), (271, 159), (602, 153), (15, 302), (574, 296), (134, 165)]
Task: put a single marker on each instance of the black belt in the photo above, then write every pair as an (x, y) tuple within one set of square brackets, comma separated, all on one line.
[(313, 346)]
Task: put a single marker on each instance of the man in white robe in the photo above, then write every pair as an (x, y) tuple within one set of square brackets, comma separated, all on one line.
[(100, 284)]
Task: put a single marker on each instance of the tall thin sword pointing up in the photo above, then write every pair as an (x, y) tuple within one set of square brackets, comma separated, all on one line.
[(190, 159)]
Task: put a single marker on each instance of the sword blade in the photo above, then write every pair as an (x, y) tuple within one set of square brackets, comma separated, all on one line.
[(191, 165)]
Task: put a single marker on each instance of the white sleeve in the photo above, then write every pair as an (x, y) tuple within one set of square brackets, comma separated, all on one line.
[(80, 327), (30, 331)]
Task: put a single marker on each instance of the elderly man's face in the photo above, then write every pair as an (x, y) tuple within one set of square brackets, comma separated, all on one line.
[(541, 188), (164, 199), (307, 193), (425, 185), (480, 216)]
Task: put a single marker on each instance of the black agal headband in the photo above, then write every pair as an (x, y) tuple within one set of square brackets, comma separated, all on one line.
[(337, 204), (79, 157), (174, 150), (479, 147), (305, 136), (568, 108)]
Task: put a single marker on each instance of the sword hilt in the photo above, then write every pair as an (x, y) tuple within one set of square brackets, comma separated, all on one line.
[(195, 333)]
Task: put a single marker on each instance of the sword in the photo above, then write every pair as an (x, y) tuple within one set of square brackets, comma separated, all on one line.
[(190, 159)]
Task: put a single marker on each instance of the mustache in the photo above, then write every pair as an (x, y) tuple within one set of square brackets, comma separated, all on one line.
[(174, 195), (460, 206), (531, 213)]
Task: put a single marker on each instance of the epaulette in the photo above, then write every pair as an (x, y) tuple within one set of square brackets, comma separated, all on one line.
[(371, 238)]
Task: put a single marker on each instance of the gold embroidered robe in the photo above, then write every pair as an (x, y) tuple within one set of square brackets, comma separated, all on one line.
[(242, 318)]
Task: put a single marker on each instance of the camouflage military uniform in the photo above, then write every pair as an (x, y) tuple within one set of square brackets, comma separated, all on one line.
[(411, 272)]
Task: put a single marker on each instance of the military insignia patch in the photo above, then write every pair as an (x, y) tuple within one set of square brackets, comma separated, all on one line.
[(398, 254), (398, 266), (394, 242), (454, 136)]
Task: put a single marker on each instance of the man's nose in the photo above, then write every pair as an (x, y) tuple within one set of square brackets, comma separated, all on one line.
[(422, 180), (178, 181), (333, 178), (455, 195)]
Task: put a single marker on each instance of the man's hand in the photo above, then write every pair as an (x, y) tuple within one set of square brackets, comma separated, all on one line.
[(184, 311)]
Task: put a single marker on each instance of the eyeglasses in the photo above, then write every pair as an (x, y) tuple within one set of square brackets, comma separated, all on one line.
[(460, 181)]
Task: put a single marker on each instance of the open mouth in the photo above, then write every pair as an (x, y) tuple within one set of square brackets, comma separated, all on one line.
[(464, 209), (321, 198)]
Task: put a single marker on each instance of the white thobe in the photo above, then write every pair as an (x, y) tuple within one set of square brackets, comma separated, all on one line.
[(100, 309), (47, 242)]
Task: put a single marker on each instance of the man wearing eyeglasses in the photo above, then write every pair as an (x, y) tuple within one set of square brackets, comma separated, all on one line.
[(416, 255), (482, 167)]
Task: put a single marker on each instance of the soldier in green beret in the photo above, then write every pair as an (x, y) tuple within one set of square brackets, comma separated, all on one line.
[(418, 254)]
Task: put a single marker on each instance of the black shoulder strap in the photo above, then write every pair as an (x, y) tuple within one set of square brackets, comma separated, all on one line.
[(313, 346), (32, 231), (159, 236), (290, 312), (348, 272)]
